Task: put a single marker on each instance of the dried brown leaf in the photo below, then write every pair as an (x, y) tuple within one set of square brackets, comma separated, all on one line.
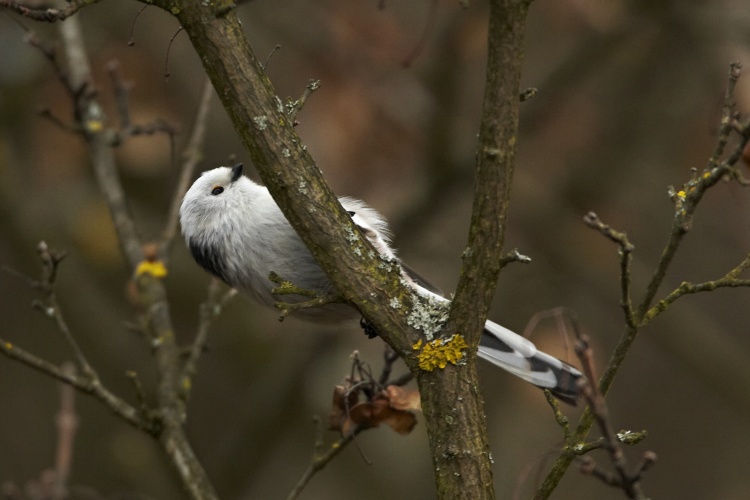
[(403, 399), (372, 414), (343, 401)]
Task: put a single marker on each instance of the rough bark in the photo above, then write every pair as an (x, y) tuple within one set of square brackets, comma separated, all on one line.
[(451, 398)]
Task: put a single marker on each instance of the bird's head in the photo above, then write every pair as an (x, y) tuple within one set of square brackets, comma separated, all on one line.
[(215, 193)]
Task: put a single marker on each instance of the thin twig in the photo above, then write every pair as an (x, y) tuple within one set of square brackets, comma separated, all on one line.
[(630, 483), (294, 107), (725, 127), (169, 48), (264, 66), (209, 311), (191, 157), (147, 285), (49, 306), (92, 123), (625, 252), (48, 15), (323, 456), (514, 256), (560, 418), (361, 381), (131, 38), (67, 423), (89, 382), (686, 199), (83, 384), (288, 288), (389, 357), (729, 280)]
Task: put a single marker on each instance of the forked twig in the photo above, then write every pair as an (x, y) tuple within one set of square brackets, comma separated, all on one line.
[(361, 380)]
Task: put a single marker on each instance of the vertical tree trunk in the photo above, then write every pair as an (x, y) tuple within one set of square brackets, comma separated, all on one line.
[(454, 412)]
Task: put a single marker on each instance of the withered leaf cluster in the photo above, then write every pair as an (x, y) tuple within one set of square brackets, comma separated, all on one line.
[(356, 404)]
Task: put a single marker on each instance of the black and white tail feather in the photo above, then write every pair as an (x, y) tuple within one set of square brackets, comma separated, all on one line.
[(518, 355), (235, 230)]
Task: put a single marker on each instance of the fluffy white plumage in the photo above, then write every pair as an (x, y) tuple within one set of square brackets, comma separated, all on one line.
[(235, 230)]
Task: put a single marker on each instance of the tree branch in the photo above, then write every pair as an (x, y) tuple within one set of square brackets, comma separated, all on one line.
[(83, 384), (90, 116), (361, 381), (48, 15), (209, 311), (630, 483), (686, 201), (482, 260), (149, 289), (191, 156)]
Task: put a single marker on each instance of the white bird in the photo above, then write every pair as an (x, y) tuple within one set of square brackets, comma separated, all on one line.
[(235, 231)]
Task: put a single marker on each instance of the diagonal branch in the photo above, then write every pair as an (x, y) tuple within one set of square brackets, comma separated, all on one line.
[(90, 116), (629, 482), (729, 280), (363, 382), (192, 155), (48, 15), (84, 384), (686, 201), (209, 311), (625, 251), (290, 173)]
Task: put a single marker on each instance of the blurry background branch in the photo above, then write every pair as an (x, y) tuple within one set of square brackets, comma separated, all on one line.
[(363, 402), (165, 422), (53, 483), (685, 201), (623, 478)]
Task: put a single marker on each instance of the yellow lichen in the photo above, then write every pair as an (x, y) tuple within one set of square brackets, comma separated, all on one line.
[(94, 126), (706, 175), (681, 194), (156, 268), (438, 353)]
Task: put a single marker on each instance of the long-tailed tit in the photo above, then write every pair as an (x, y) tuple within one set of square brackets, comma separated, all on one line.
[(235, 230)]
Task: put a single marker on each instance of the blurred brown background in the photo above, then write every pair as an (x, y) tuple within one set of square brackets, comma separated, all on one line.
[(629, 100)]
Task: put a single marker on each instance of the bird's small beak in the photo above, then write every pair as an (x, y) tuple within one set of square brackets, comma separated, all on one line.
[(236, 172)]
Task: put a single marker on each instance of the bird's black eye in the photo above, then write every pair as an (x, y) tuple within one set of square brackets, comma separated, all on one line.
[(217, 190)]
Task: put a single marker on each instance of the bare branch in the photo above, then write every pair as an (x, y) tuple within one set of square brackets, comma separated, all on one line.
[(630, 483), (528, 94), (92, 120), (625, 253), (686, 199), (514, 256), (375, 390), (67, 423), (294, 107), (323, 455), (127, 128), (288, 288), (48, 15), (94, 387), (209, 311), (168, 427), (728, 113), (729, 280), (191, 157), (49, 306)]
